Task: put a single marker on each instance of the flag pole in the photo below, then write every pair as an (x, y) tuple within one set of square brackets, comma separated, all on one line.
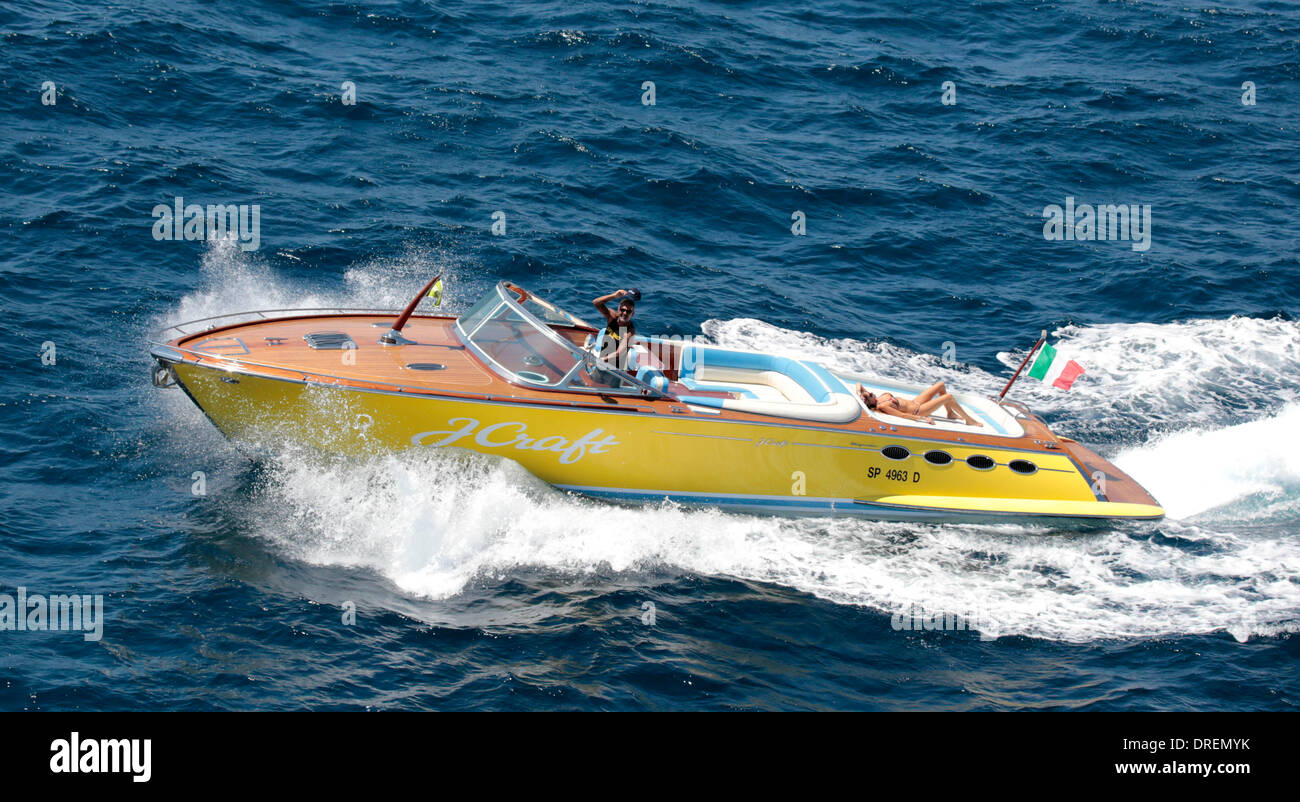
[(394, 335), (1042, 338)]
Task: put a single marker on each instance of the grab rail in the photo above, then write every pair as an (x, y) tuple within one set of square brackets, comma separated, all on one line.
[(1019, 407), (264, 314)]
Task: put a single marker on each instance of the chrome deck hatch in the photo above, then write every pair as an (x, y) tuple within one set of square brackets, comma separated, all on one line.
[(329, 341)]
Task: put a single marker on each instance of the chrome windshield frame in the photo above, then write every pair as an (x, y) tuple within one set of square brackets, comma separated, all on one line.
[(581, 358)]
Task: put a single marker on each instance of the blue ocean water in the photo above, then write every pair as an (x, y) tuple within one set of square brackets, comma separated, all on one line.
[(477, 587)]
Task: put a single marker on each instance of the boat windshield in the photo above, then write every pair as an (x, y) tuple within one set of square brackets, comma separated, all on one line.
[(519, 340)]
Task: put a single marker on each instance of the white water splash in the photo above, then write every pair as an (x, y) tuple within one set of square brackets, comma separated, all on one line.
[(1196, 372), (1195, 471), (433, 522), (231, 281)]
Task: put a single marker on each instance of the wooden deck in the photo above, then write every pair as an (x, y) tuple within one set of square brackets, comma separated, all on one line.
[(276, 348)]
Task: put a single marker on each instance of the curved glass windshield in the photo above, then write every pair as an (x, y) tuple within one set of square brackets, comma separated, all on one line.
[(518, 339), (551, 314)]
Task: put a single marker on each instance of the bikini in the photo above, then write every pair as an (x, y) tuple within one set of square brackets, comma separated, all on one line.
[(880, 402)]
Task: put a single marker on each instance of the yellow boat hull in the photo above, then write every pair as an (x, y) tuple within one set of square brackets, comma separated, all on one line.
[(646, 456)]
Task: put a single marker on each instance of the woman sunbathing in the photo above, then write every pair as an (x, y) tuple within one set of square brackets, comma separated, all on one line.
[(918, 408)]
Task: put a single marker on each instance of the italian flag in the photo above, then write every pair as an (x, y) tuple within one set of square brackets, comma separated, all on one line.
[(1051, 368)]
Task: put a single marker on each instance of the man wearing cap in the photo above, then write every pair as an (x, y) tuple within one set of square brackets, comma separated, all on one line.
[(619, 329)]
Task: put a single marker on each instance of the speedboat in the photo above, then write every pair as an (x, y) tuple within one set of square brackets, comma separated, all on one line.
[(683, 421)]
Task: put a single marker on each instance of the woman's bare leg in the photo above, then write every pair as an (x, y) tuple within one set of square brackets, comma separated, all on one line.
[(955, 408), (932, 404), (951, 406), (933, 391)]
